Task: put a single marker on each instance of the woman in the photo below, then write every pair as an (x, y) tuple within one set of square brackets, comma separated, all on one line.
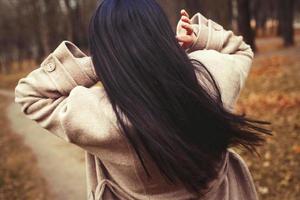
[(161, 125)]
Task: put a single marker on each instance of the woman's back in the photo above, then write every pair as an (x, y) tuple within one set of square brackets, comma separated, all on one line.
[(60, 97)]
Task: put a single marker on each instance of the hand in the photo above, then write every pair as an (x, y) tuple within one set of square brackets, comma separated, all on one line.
[(186, 35)]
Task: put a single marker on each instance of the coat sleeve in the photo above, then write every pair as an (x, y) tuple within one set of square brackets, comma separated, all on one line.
[(225, 55), (59, 96)]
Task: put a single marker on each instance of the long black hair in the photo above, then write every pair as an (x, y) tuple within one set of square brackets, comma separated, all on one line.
[(151, 82)]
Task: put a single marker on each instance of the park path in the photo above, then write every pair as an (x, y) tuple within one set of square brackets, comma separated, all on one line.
[(62, 164)]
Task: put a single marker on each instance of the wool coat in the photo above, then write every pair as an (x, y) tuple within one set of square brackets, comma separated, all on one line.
[(61, 95)]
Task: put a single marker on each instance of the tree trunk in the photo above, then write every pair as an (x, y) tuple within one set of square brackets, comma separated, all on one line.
[(172, 9), (222, 14), (75, 16), (260, 13), (38, 31), (286, 20), (52, 20), (244, 22), (194, 6)]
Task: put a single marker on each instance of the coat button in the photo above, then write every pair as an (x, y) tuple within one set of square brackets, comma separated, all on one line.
[(50, 67)]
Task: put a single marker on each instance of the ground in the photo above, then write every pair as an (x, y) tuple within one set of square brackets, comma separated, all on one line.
[(272, 93), (19, 175), (60, 164)]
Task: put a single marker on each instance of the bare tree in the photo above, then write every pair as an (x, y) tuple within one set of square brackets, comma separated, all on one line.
[(30, 29), (53, 19), (222, 13), (194, 6), (286, 21), (39, 30), (244, 22), (172, 9)]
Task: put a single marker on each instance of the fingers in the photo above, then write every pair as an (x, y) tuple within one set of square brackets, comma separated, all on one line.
[(186, 22), (185, 39), (184, 13), (185, 19), (188, 27)]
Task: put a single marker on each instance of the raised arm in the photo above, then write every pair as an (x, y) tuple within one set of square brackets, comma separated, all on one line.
[(57, 95), (224, 54)]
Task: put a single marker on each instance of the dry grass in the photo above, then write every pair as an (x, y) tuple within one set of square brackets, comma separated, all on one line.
[(19, 175)]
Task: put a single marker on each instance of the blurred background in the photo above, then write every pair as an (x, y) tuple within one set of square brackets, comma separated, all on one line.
[(36, 165)]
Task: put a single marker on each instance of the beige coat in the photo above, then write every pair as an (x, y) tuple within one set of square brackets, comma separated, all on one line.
[(59, 96)]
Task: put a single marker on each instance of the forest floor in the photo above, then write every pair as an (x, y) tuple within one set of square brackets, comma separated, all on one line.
[(272, 93)]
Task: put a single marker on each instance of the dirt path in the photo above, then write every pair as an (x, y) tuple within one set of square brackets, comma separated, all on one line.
[(61, 164)]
